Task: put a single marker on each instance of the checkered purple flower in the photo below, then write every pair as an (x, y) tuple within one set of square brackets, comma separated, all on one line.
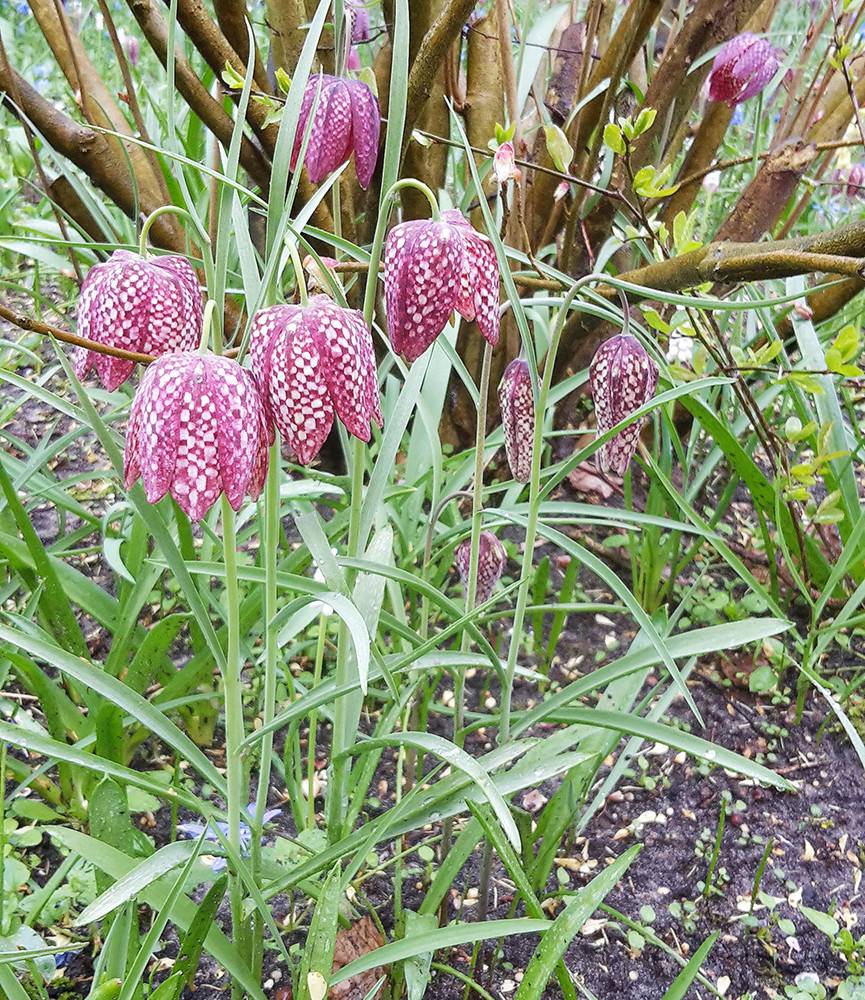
[(742, 69), (518, 418), (358, 11), (197, 429), (431, 269), (622, 377), (313, 362), (150, 306), (491, 564), (347, 119), (850, 181)]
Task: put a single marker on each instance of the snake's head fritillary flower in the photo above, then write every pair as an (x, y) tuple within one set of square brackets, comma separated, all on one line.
[(622, 377), (518, 418), (197, 429), (491, 564), (312, 362), (133, 49), (346, 120), (742, 69), (504, 163), (360, 28), (431, 269), (148, 306)]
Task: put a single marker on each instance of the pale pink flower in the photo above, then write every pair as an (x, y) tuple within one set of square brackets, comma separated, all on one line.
[(504, 163)]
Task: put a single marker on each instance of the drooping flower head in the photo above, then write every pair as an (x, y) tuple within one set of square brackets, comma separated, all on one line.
[(346, 120), (742, 69), (491, 564), (504, 163), (359, 13), (622, 377), (431, 269), (197, 428), (518, 418), (850, 182), (149, 306), (311, 362)]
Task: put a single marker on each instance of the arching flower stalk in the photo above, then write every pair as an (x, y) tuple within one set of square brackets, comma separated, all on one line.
[(517, 404), (312, 363), (197, 429), (433, 268), (346, 120), (491, 564), (151, 306), (623, 377)]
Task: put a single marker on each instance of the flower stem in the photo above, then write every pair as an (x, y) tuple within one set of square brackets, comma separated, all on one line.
[(156, 214), (534, 506), (206, 325), (313, 723), (337, 792), (271, 652), (299, 276), (233, 693)]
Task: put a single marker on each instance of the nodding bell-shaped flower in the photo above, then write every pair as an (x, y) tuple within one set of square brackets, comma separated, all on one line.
[(518, 418), (491, 564), (358, 12), (197, 429), (622, 377), (311, 362), (504, 163), (431, 269), (742, 69), (346, 120), (149, 306)]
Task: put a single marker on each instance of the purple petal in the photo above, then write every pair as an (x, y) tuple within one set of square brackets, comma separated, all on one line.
[(331, 135), (309, 92), (518, 418), (623, 378), (297, 392), (366, 128), (422, 274), (156, 424), (491, 564), (479, 285), (344, 342), (236, 408)]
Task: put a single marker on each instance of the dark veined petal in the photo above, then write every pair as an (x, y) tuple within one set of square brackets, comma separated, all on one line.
[(623, 377), (422, 265), (366, 129), (341, 335), (297, 393), (518, 418), (491, 564), (331, 135)]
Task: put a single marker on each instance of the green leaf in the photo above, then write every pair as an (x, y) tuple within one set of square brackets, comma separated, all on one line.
[(558, 147), (452, 754), (678, 989), (613, 138), (822, 921), (417, 968), (567, 925), (445, 937), (317, 963)]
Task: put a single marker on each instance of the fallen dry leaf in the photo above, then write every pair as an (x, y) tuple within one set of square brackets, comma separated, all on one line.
[(351, 943), (586, 479)]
